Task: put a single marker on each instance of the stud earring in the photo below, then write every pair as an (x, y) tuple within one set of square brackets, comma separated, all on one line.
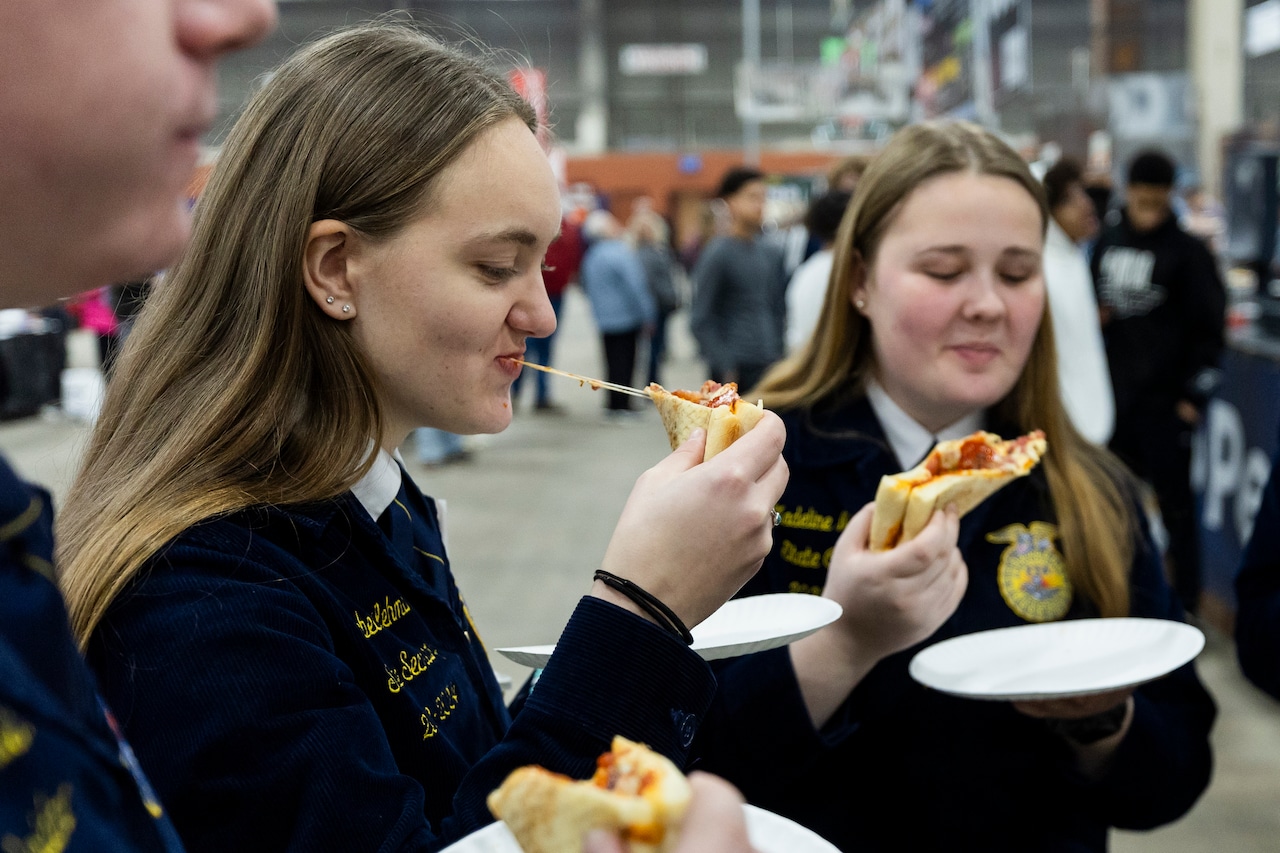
[(860, 304), (346, 309), (329, 300)]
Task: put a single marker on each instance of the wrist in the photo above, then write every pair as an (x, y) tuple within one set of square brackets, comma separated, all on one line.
[(601, 591), (1085, 731), (653, 607)]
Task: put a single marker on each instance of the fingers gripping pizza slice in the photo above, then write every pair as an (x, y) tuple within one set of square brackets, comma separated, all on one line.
[(716, 408), (963, 471), (635, 792)]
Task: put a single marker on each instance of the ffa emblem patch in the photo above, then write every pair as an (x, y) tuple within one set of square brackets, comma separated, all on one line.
[(1032, 574)]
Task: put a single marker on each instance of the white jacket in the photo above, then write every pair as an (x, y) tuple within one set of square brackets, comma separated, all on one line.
[(1083, 374)]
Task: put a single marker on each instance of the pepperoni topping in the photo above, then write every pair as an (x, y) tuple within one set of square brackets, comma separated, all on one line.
[(976, 453), (711, 394)]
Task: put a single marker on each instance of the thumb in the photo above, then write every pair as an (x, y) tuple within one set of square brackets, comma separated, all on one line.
[(688, 454), (859, 529)]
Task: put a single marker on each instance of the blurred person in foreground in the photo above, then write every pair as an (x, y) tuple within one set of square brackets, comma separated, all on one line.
[(1083, 377), (1257, 627), (1163, 321), (101, 113), (933, 328), (649, 232), (624, 310), (808, 285), (261, 588), (739, 308)]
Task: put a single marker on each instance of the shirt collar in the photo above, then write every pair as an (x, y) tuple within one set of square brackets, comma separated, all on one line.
[(908, 439), (379, 487)]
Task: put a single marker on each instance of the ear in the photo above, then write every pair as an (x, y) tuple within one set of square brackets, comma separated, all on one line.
[(858, 283), (325, 272)]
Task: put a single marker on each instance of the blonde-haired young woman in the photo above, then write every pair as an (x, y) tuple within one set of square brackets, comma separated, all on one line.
[(263, 592), (934, 325)]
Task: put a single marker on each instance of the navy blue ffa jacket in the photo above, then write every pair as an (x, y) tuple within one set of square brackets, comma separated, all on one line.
[(925, 771), (66, 782), (1258, 593), (293, 679)]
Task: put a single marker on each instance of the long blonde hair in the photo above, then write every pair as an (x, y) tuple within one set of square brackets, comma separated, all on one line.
[(1089, 487), (234, 389)]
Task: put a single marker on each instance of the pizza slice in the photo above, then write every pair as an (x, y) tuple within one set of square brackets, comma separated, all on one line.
[(716, 408), (635, 792), (963, 471)]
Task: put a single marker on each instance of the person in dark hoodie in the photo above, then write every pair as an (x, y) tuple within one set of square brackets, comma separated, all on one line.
[(1163, 311)]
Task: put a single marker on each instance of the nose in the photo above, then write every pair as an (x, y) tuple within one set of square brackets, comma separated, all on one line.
[(533, 315), (208, 29), (983, 298)]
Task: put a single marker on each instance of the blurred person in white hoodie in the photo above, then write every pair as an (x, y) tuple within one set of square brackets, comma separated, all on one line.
[(1082, 359)]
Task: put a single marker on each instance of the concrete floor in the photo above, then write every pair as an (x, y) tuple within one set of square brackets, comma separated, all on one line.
[(529, 516)]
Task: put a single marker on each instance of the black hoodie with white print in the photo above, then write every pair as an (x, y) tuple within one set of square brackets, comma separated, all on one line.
[(1164, 306)]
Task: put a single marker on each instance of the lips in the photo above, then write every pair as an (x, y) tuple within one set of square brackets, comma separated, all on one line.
[(976, 354), (507, 365)]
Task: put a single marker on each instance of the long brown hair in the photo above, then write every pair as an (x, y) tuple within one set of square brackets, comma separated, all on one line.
[(234, 389), (1087, 484)]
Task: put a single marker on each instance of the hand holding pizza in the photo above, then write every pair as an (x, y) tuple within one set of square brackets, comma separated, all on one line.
[(892, 600), (693, 532), (715, 822)]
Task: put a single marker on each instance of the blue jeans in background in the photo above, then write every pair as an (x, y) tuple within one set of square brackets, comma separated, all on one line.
[(437, 447), (538, 352)]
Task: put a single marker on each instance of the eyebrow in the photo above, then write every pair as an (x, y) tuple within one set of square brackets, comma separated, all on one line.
[(522, 236), (960, 250)]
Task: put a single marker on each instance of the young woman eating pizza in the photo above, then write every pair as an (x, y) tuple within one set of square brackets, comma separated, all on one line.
[(935, 326), (262, 590)]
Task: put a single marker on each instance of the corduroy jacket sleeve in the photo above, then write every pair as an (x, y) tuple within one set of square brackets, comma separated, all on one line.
[(261, 732)]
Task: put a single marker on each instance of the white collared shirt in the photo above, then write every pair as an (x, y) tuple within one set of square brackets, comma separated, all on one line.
[(379, 487), (908, 439)]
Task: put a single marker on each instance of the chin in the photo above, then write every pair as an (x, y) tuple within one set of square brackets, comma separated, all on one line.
[(165, 237), (495, 421)]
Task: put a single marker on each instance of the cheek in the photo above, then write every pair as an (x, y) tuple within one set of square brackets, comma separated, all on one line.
[(902, 333), (1026, 314)]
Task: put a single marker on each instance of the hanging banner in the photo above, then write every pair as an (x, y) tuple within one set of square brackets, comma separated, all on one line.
[(1010, 45), (945, 85)]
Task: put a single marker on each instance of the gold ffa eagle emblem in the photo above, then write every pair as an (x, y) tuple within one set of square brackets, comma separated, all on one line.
[(1032, 574)]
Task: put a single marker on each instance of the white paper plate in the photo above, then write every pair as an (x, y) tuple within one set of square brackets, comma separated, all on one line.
[(1057, 659), (769, 833), (740, 627)]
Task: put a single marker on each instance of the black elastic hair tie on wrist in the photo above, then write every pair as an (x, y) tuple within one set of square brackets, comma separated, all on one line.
[(648, 603)]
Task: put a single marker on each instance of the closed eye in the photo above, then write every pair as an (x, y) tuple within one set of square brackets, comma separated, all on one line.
[(497, 275)]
